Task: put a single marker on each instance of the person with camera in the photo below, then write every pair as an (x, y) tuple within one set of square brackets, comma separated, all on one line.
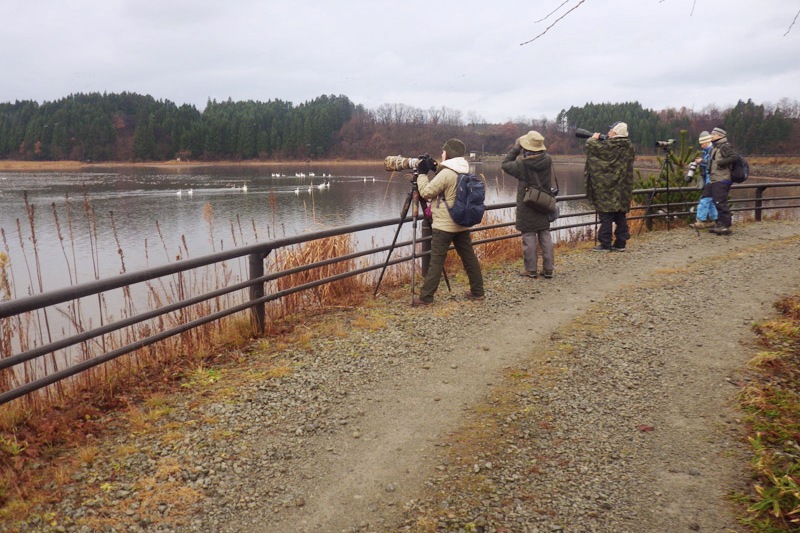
[(441, 192), (722, 157), (609, 184), (529, 162), (706, 211)]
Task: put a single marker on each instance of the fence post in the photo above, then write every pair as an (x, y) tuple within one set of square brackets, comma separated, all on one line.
[(759, 202), (259, 313)]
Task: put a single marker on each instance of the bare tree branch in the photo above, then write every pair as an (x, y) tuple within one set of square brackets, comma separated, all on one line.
[(573, 8), (553, 11), (792, 24), (694, 3)]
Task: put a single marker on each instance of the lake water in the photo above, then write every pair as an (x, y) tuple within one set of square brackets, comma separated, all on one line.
[(135, 218)]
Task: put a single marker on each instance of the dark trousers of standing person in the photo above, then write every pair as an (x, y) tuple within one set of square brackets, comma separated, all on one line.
[(440, 243), (719, 193), (621, 233)]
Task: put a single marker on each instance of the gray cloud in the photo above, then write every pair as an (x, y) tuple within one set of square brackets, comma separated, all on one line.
[(428, 55)]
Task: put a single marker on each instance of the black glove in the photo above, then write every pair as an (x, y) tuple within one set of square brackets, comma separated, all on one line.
[(426, 164)]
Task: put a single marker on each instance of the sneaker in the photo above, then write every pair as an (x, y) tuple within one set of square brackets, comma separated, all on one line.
[(601, 248), (721, 230), (469, 296), (617, 249), (528, 274), (547, 274), (420, 303)]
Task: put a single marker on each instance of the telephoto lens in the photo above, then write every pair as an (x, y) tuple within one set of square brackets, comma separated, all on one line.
[(394, 163), (690, 172)]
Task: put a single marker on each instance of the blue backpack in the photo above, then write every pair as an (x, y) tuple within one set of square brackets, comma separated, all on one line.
[(469, 206)]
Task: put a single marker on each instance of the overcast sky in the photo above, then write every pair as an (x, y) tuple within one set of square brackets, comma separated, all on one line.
[(466, 55)]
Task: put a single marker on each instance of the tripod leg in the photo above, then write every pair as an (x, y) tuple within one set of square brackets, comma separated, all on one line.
[(413, 256), (647, 211), (403, 215), (426, 232)]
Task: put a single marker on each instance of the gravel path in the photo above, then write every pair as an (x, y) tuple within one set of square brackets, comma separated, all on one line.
[(600, 400)]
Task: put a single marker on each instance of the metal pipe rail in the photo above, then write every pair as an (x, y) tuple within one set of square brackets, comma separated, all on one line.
[(257, 279)]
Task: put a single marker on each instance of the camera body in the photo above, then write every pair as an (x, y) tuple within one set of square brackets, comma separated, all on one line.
[(581, 133), (665, 144)]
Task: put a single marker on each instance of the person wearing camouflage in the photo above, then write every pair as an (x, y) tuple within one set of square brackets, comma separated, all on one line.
[(609, 184)]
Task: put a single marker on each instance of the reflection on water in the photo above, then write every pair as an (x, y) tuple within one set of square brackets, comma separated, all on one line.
[(127, 219)]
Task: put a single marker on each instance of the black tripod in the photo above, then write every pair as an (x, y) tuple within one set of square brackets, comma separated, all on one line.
[(667, 169), (414, 202)]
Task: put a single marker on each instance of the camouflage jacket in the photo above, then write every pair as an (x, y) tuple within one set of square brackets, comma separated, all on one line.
[(609, 174)]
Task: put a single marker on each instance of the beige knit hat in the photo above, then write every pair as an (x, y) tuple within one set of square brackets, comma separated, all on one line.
[(704, 138), (533, 141)]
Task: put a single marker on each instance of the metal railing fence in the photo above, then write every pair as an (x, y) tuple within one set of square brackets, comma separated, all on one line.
[(258, 279)]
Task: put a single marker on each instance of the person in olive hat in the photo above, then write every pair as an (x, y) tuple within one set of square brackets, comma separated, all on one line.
[(609, 184), (441, 192), (529, 162)]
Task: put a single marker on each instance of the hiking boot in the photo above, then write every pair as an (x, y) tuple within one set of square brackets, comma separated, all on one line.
[(601, 248), (702, 224), (548, 274), (420, 303), (721, 230), (475, 298), (527, 274)]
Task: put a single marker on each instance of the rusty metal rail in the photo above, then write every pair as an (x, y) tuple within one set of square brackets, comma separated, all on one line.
[(258, 278)]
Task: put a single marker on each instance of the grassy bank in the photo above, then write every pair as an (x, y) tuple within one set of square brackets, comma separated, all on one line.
[(772, 407)]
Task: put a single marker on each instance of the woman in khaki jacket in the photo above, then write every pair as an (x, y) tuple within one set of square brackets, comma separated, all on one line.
[(446, 232)]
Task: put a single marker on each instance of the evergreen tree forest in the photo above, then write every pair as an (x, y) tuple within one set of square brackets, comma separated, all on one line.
[(130, 127)]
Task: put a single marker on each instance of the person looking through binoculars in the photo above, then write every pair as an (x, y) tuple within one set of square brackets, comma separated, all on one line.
[(441, 192), (529, 162), (609, 184)]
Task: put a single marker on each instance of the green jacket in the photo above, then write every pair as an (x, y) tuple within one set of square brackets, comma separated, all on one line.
[(526, 170), (609, 174)]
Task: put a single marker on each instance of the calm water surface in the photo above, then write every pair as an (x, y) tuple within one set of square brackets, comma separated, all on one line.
[(134, 218)]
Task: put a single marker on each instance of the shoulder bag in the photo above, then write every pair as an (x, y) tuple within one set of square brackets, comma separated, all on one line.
[(538, 199)]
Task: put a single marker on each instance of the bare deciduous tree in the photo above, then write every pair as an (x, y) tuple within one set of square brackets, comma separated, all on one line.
[(579, 2)]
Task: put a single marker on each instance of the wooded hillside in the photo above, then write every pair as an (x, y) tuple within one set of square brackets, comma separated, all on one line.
[(132, 127)]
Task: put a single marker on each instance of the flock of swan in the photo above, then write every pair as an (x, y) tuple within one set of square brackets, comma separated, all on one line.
[(325, 184)]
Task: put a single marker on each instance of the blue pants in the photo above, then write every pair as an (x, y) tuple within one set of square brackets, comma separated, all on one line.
[(706, 210)]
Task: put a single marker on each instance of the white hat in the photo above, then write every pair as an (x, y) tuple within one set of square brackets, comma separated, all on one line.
[(620, 129)]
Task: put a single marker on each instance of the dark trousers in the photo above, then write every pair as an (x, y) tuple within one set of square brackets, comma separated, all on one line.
[(719, 194), (621, 234), (440, 243)]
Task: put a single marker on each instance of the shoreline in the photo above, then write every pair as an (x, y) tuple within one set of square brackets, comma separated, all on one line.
[(35, 166), (763, 167)]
